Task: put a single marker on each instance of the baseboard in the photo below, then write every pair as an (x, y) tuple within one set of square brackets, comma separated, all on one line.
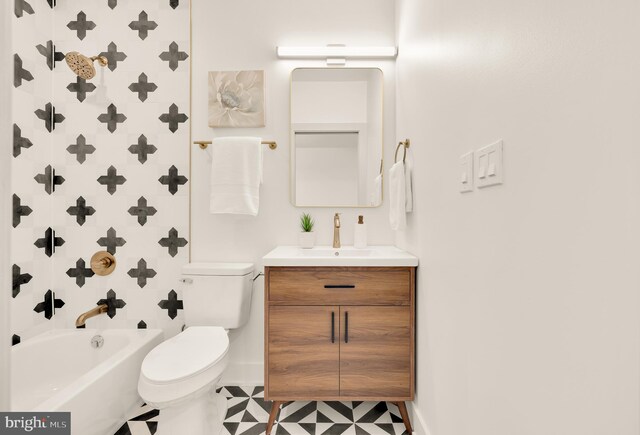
[(243, 374), (417, 421)]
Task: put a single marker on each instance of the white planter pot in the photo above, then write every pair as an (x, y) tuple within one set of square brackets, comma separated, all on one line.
[(307, 240)]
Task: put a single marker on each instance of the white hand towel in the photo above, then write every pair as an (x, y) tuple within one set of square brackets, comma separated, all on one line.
[(397, 201), (376, 195), (408, 182), (236, 175)]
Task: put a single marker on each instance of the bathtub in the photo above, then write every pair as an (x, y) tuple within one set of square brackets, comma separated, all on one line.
[(60, 370)]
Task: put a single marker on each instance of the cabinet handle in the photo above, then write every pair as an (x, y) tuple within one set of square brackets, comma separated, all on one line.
[(346, 327), (333, 327), (339, 286)]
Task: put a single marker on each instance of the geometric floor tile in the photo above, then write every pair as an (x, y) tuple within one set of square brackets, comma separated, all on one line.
[(247, 414)]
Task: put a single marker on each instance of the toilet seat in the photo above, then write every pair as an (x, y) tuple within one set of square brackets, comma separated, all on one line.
[(186, 355)]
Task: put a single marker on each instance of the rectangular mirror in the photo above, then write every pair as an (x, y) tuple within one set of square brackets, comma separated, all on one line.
[(336, 137)]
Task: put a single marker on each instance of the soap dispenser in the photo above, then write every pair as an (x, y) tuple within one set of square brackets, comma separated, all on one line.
[(360, 234)]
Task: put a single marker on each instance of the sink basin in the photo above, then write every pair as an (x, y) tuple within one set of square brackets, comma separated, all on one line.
[(341, 252), (374, 256)]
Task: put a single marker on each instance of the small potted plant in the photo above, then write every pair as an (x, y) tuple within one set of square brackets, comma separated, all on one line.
[(307, 236)]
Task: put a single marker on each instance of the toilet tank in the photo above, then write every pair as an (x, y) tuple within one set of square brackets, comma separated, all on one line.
[(217, 294)]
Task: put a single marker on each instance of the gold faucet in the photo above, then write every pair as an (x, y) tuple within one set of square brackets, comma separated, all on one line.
[(336, 230), (82, 318)]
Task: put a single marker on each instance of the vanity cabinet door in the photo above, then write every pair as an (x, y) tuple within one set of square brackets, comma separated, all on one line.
[(303, 349), (375, 352)]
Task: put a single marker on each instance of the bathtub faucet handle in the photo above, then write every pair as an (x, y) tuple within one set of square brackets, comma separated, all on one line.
[(103, 263)]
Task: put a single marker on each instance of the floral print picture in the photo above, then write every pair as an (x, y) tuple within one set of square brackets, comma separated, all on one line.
[(236, 99)]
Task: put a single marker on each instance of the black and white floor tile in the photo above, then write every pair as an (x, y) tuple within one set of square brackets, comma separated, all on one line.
[(248, 413)]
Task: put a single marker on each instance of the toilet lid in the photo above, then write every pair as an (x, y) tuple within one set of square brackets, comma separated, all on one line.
[(187, 354)]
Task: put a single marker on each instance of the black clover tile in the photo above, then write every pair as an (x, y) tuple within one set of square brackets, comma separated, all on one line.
[(52, 3), (81, 148), (113, 56), (49, 179), (172, 304), (19, 73), (81, 87), (15, 339), (80, 272), (21, 6), (142, 149), (112, 180), (19, 141), (143, 25), (173, 56), (174, 3), (50, 54), (173, 242), (173, 118), (19, 210), (142, 87), (49, 242), (142, 324), (111, 242), (81, 211), (112, 303), (81, 25), (19, 279), (173, 180), (49, 116), (112, 118), (49, 305), (142, 211), (141, 273)]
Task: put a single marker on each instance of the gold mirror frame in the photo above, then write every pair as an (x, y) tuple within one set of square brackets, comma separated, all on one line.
[(292, 140)]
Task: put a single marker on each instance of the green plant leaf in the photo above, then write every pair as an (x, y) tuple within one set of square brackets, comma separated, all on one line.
[(306, 222)]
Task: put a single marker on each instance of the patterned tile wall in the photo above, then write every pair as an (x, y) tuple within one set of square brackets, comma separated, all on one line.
[(100, 164)]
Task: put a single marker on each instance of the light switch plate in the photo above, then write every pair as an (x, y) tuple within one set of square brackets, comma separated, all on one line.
[(488, 165), (466, 172)]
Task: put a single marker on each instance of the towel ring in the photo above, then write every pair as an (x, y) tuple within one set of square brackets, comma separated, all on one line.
[(406, 143)]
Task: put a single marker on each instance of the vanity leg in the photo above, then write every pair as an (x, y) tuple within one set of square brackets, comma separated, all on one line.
[(275, 408), (405, 416)]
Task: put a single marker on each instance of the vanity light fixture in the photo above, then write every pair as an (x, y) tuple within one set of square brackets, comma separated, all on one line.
[(337, 52)]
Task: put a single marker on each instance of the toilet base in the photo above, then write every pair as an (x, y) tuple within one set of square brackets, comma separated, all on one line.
[(202, 415)]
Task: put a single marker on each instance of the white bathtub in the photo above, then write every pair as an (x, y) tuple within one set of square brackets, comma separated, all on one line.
[(60, 371)]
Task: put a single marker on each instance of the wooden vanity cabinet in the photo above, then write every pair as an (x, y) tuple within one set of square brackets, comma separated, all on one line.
[(339, 333)]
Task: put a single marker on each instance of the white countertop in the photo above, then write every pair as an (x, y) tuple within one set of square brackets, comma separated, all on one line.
[(373, 256)]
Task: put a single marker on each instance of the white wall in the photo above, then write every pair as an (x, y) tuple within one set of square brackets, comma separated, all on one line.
[(5, 203), (243, 34), (528, 302)]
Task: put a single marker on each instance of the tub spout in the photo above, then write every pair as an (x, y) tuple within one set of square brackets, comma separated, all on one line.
[(82, 318)]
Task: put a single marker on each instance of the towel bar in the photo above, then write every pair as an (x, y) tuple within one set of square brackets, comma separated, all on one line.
[(205, 143)]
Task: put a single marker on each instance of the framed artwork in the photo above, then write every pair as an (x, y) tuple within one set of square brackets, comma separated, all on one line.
[(236, 99)]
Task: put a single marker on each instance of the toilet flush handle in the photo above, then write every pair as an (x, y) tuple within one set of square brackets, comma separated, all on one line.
[(186, 280)]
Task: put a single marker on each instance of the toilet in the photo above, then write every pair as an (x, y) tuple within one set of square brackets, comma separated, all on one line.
[(180, 375)]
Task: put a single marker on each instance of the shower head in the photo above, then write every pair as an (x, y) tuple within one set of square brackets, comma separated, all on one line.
[(82, 65)]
